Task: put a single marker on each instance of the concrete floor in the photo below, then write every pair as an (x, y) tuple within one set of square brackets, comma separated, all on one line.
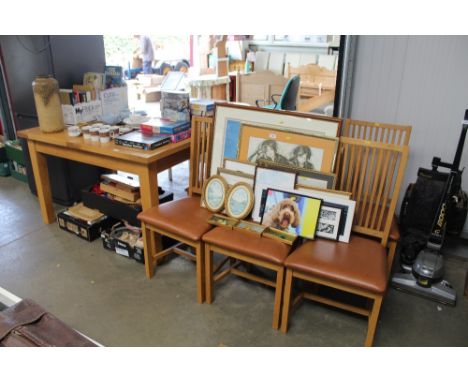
[(108, 297)]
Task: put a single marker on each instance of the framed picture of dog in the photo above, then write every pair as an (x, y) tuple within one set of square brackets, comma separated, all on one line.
[(290, 212), (229, 117), (296, 150)]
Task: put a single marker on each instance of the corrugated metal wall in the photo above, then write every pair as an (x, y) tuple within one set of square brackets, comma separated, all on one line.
[(416, 80)]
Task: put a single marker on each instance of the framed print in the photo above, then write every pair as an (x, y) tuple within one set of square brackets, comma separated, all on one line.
[(214, 193), (310, 178), (223, 221), (287, 148), (254, 228), (324, 192), (268, 178), (328, 225), (347, 205), (276, 234), (232, 177), (241, 166), (239, 200), (291, 212), (229, 117)]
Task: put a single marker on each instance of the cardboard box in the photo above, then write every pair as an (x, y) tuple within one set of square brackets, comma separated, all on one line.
[(114, 101), (82, 229), (125, 194), (82, 112), (150, 79)]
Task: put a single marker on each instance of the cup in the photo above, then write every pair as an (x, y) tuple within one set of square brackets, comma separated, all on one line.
[(86, 133), (94, 131), (74, 131), (104, 135)]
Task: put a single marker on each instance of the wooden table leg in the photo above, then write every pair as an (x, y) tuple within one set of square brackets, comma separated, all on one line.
[(41, 176)]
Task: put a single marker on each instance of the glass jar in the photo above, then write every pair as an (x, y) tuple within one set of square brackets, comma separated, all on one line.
[(48, 105)]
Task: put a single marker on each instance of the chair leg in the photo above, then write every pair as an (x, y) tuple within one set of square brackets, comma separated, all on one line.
[(374, 316), (278, 298), (286, 300), (199, 253), (149, 246), (208, 274), (392, 245)]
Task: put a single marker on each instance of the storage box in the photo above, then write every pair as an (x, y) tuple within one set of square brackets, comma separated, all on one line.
[(18, 171), (14, 152), (82, 112), (4, 169), (82, 229), (150, 79), (114, 101), (116, 209), (3, 154)]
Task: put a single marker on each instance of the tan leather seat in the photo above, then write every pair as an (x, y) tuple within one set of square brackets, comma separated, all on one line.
[(260, 248), (361, 263), (183, 217)]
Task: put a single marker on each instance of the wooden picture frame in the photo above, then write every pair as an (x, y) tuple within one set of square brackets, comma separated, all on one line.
[(222, 221), (333, 193), (239, 166), (328, 225), (288, 148), (276, 234), (247, 226), (239, 201), (309, 178), (228, 118), (214, 186), (232, 177)]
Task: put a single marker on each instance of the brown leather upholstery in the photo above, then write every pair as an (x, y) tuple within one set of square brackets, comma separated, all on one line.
[(394, 234), (245, 243), (361, 263), (183, 217)]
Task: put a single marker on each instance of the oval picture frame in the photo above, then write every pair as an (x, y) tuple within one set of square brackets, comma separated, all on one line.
[(239, 200), (214, 185)]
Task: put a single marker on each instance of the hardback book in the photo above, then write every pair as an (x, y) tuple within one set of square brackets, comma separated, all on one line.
[(139, 140), (164, 126), (175, 100), (96, 80), (179, 136), (113, 76), (201, 104)]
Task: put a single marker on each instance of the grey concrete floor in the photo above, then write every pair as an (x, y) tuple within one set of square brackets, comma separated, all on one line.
[(108, 297)]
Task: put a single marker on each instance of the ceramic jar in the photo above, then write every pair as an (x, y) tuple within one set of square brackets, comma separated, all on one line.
[(48, 106)]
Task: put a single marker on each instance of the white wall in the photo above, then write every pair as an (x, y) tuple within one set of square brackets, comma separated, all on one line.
[(417, 80)]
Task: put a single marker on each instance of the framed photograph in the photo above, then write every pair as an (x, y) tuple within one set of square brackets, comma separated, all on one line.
[(254, 228), (268, 178), (214, 193), (223, 221), (291, 212), (347, 205), (324, 192), (276, 234), (310, 178), (283, 147), (240, 166), (328, 225), (239, 201), (232, 177), (229, 117)]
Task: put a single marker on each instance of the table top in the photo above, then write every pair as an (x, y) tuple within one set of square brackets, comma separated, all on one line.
[(62, 139)]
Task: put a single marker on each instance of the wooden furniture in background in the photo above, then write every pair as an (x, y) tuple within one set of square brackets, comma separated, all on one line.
[(183, 219), (377, 132), (145, 164), (373, 173), (259, 85)]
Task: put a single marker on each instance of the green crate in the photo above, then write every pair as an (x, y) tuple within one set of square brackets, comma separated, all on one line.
[(17, 175), (14, 151), (4, 169), (3, 155)]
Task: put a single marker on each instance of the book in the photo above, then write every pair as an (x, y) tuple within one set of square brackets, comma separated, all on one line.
[(96, 80), (127, 183), (113, 76), (137, 139), (202, 104), (111, 188), (175, 100), (201, 113), (179, 136), (164, 126)]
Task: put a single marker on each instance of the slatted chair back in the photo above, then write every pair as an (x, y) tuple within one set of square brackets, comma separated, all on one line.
[(373, 173), (377, 132), (200, 152)]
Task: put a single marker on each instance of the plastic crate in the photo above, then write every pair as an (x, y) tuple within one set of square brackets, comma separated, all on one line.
[(18, 171), (14, 151), (4, 169)]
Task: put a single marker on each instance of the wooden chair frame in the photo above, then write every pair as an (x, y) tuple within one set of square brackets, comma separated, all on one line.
[(216, 274), (373, 172), (200, 147)]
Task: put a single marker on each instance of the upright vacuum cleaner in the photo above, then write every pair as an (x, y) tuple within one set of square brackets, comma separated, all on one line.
[(423, 221)]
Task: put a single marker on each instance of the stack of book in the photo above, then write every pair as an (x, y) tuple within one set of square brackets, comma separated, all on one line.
[(202, 107), (176, 131), (138, 140), (121, 188), (175, 105), (79, 94)]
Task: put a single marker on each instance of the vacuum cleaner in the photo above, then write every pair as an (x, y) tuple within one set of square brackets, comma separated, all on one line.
[(423, 220)]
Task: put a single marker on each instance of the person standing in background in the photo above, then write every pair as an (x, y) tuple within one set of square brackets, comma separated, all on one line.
[(146, 53)]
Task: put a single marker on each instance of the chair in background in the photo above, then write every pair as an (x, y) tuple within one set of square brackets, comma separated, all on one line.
[(183, 219), (287, 99), (373, 173)]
